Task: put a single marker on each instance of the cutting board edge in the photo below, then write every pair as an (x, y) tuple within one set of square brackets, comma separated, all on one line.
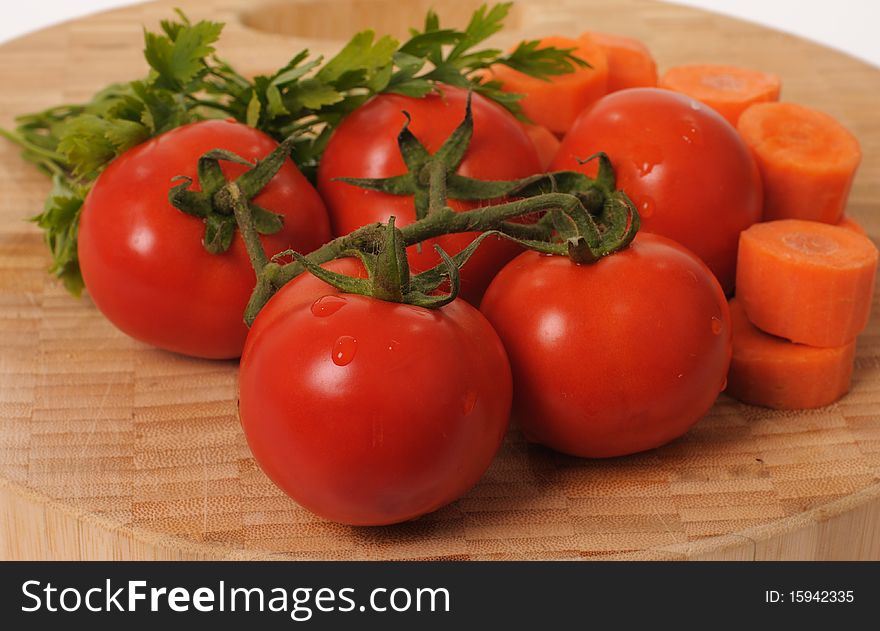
[(819, 534)]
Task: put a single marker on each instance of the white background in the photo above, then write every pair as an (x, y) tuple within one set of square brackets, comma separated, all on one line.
[(848, 25)]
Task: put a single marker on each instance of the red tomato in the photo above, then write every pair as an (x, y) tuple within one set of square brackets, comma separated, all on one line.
[(615, 357), (365, 145), (143, 261), (687, 170), (369, 412)]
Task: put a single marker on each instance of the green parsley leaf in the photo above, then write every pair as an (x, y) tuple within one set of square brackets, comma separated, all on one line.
[(178, 59), (60, 220)]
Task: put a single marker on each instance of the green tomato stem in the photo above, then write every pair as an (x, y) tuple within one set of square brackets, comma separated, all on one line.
[(244, 216)]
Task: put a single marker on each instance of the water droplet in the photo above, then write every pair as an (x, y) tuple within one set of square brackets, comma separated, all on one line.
[(716, 326), (470, 400), (344, 350), (695, 105), (327, 305), (393, 345), (646, 208)]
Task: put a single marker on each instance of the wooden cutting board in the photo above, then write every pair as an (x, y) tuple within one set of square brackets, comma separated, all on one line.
[(111, 449)]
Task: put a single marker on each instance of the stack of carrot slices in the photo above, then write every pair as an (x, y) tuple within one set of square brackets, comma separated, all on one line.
[(804, 292), (805, 276)]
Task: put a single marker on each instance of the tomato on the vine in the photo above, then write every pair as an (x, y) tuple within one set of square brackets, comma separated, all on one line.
[(143, 261), (614, 357), (365, 146), (369, 412), (687, 170)]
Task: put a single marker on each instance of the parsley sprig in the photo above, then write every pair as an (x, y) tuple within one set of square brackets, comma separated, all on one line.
[(306, 99)]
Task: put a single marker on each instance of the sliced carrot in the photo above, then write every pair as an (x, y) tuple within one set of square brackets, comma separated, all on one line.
[(806, 281), (557, 102), (630, 63), (775, 373), (851, 224), (546, 144), (807, 160), (729, 90)]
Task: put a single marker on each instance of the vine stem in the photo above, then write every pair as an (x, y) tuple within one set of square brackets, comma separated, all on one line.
[(272, 276), (244, 217)]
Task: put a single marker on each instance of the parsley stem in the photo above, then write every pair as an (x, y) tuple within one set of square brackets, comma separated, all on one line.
[(214, 105), (22, 142)]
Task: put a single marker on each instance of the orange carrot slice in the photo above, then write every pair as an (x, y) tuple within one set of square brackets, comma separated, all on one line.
[(557, 102), (806, 281), (807, 160), (729, 90), (546, 144), (851, 224), (775, 373), (630, 63)]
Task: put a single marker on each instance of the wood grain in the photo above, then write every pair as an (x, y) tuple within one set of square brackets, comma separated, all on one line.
[(110, 449)]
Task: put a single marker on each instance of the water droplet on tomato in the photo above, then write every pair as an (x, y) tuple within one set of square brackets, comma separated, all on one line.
[(470, 400), (327, 306), (716, 326), (393, 345), (344, 350), (646, 207)]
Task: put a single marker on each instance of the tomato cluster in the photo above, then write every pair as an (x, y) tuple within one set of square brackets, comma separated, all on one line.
[(372, 412)]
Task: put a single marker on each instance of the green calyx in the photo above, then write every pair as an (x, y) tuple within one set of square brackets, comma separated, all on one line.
[(214, 204), (431, 179)]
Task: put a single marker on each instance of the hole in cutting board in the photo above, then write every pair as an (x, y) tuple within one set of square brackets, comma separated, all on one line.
[(340, 19)]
